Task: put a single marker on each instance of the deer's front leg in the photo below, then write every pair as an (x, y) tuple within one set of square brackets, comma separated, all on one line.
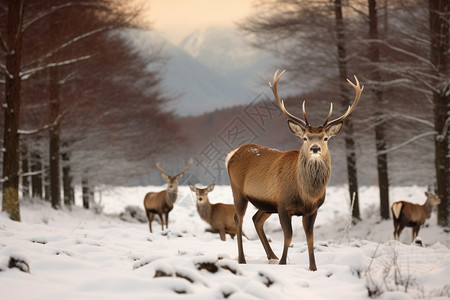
[(167, 220), (308, 226)]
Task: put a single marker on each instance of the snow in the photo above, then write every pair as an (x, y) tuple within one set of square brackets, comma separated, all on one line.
[(77, 254)]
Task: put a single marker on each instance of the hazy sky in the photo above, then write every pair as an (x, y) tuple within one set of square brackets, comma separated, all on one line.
[(177, 18)]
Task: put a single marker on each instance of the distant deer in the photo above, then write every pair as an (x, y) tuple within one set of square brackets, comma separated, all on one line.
[(161, 203), (220, 216), (291, 183), (406, 214)]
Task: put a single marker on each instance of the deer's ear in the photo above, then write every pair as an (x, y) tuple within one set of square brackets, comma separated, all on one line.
[(296, 128), (165, 177), (193, 188), (210, 187), (180, 176), (334, 129)]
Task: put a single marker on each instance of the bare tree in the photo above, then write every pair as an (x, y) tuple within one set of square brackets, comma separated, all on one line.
[(311, 37), (12, 46), (439, 17), (376, 91)]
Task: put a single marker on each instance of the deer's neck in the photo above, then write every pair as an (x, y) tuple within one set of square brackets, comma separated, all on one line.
[(172, 196), (204, 211), (314, 174), (428, 208)]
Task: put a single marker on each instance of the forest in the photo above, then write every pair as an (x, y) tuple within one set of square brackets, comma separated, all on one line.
[(83, 107)]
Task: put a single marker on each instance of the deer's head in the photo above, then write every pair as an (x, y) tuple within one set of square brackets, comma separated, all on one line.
[(315, 138), (202, 194), (433, 198), (172, 181)]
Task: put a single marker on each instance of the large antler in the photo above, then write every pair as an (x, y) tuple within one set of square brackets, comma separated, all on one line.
[(185, 168), (358, 90), (281, 102), (161, 169)]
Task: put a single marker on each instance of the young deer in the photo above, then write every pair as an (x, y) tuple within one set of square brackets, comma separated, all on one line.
[(161, 203), (291, 183), (220, 216), (406, 214)]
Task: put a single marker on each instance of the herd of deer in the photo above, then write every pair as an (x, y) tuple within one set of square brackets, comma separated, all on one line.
[(289, 183)]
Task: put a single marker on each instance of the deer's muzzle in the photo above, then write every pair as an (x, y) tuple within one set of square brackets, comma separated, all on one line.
[(315, 151)]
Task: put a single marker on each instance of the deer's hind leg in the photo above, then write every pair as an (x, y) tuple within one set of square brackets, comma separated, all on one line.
[(162, 221), (240, 204), (258, 219)]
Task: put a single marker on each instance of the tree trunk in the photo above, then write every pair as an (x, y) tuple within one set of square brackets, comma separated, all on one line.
[(380, 140), (86, 192), (345, 100), (68, 190), (55, 187), (36, 180), (47, 195), (11, 156), (439, 15), (25, 169)]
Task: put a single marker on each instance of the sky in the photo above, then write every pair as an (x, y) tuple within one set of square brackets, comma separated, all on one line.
[(177, 18)]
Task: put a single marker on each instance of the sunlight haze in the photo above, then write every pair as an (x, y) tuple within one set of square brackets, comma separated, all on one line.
[(177, 18)]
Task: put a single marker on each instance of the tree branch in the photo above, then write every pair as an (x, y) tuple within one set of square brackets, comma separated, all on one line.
[(72, 41), (444, 132), (407, 142), (31, 173), (414, 119), (45, 127), (27, 74), (400, 50), (56, 8)]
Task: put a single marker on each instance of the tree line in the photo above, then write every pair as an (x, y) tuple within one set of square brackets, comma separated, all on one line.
[(398, 48), (81, 103)]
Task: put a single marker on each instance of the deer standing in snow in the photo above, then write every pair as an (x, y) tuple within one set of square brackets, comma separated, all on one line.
[(406, 214), (220, 216), (161, 203), (291, 183)]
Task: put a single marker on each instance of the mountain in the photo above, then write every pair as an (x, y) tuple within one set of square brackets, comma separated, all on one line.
[(210, 69), (224, 50)]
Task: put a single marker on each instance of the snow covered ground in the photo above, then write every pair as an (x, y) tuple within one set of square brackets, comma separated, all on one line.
[(82, 255)]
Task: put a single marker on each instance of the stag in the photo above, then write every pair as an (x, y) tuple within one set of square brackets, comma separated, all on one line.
[(406, 214), (291, 183), (161, 203)]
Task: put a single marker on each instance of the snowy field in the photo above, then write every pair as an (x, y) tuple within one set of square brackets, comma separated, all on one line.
[(82, 255)]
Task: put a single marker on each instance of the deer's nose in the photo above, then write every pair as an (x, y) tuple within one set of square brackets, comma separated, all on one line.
[(315, 149), (200, 198)]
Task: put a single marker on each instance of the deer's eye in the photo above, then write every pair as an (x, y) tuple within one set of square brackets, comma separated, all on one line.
[(325, 139), (305, 139)]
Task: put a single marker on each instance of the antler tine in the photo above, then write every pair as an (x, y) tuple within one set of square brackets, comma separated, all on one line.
[(304, 113), (358, 90), (329, 115), (186, 167), (280, 103), (161, 169)]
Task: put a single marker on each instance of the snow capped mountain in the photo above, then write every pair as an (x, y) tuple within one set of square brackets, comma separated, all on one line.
[(227, 52), (210, 69), (222, 49)]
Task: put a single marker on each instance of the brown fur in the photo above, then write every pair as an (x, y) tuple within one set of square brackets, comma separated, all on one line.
[(291, 183), (161, 203), (288, 183), (406, 214), (220, 216)]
